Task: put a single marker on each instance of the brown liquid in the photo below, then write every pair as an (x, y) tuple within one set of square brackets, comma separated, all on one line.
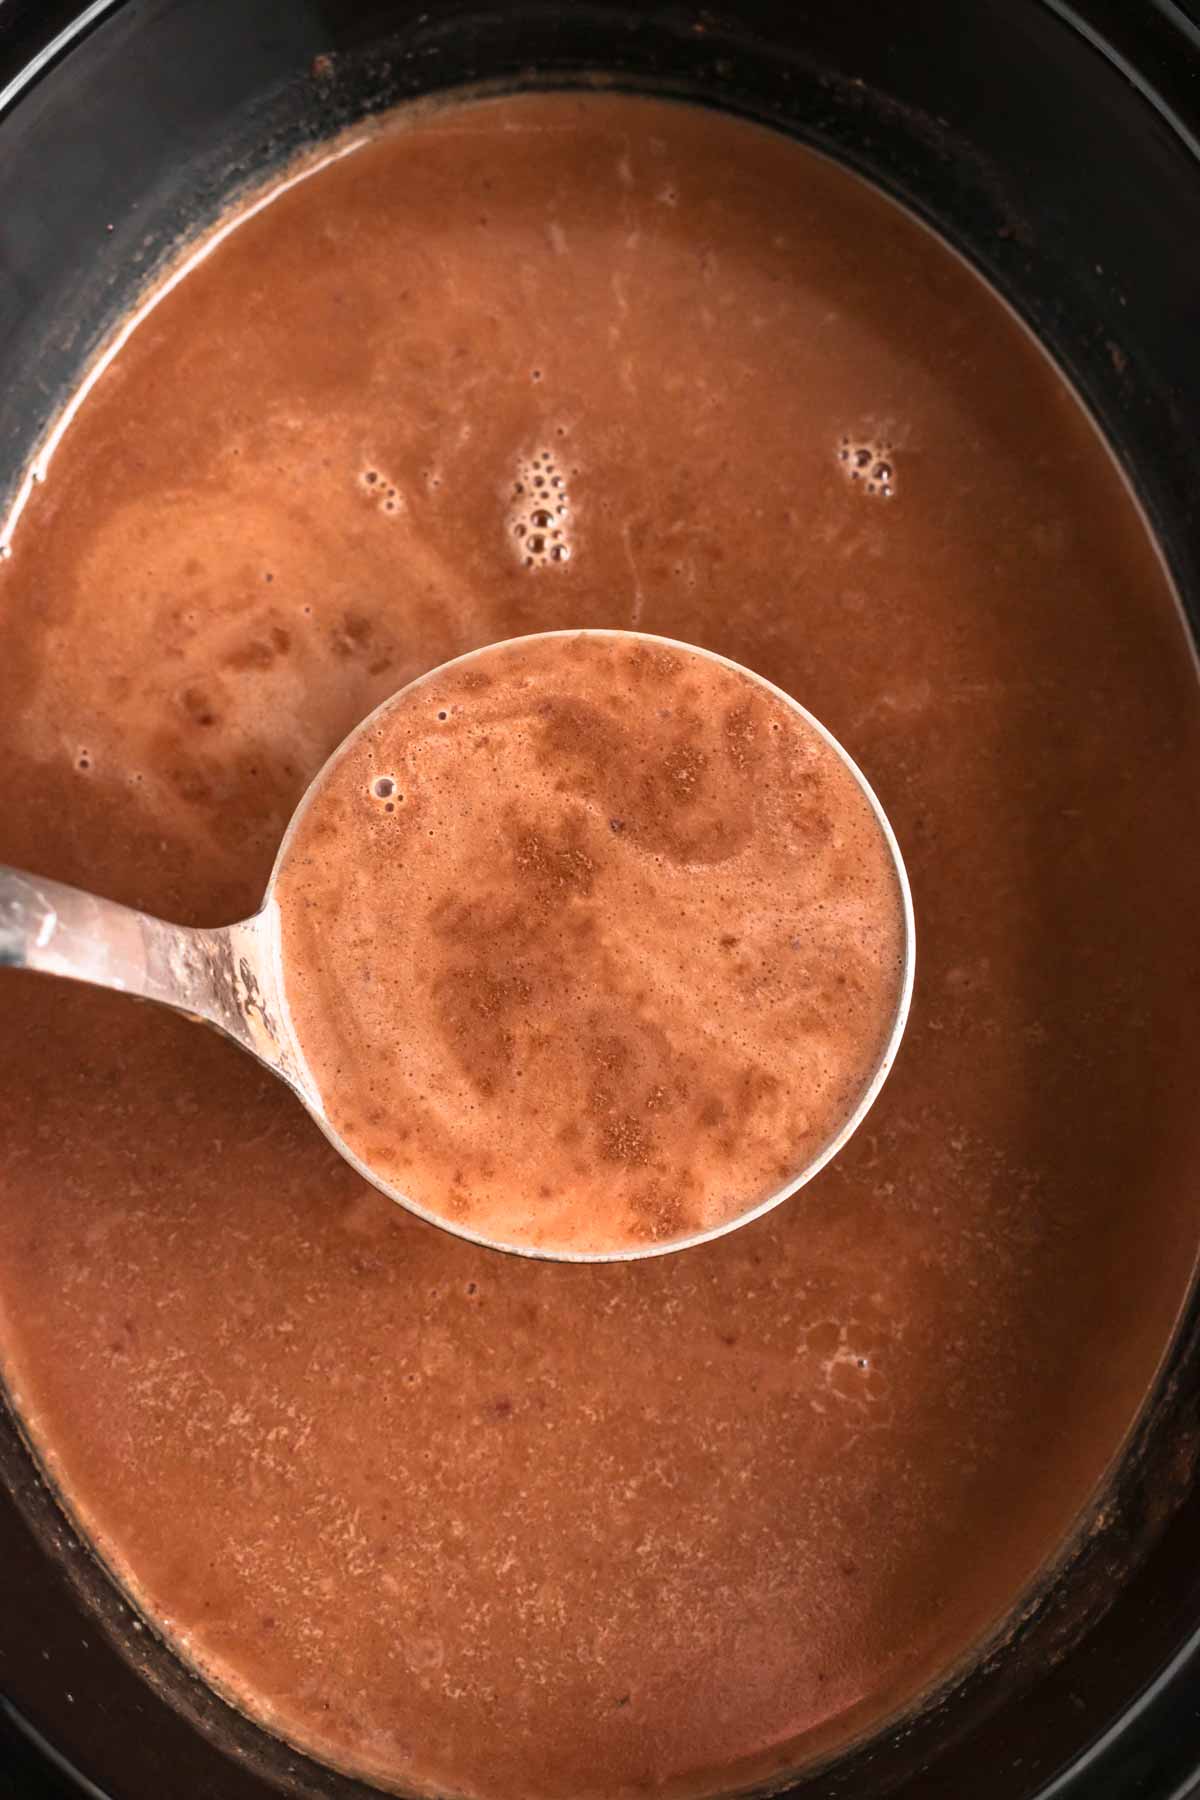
[(472, 1521), (590, 943)]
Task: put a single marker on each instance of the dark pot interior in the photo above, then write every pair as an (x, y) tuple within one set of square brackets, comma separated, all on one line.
[(1058, 149)]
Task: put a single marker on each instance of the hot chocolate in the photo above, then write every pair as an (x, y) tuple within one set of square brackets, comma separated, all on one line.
[(475, 1523), (590, 943)]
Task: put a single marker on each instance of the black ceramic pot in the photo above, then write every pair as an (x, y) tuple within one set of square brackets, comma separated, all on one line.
[(1059, 148)]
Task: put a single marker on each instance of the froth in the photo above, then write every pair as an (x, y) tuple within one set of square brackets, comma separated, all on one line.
[(381, 492), (870, 462), (540, 516), (590, 943)]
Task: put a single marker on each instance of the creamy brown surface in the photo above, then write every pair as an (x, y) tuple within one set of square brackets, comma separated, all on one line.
[(521, 1529), (590, 943)]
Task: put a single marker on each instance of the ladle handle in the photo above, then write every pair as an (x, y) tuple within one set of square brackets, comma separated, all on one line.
[(215, 975)]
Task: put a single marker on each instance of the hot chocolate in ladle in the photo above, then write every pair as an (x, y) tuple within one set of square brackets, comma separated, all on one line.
[(235, 976)]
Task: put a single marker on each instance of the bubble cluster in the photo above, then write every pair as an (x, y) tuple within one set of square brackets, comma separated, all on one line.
[(540, 515), (384, 792), (379, 489), (870, 463)]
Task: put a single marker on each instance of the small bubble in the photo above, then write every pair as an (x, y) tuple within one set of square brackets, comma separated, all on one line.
[(535, 375), (390, 807), (372, 476), (83, 760), (561, 553), (268, 576), (518, 531), (557, 481), (539, 481), (541, 518), (529, 562), (383, 786), (443, 716), (562, 512), (882, 471), (389, 506), (537, 543), (862, 458)]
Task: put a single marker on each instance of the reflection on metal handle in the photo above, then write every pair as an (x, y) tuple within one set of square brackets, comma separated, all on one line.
[(219, 975)]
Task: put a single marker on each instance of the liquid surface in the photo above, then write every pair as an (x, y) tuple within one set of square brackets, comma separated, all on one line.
[(590, 943), (475, 1523)]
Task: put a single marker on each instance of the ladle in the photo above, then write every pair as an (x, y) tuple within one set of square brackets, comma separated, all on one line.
[(232, 976)]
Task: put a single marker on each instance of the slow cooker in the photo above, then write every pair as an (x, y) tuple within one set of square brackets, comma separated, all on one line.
[(1058, 148)]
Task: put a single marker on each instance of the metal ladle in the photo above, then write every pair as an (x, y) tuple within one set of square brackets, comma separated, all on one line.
[(232, 976)]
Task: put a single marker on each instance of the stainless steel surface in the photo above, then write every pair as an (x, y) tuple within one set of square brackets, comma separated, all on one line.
[(227, 976)]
